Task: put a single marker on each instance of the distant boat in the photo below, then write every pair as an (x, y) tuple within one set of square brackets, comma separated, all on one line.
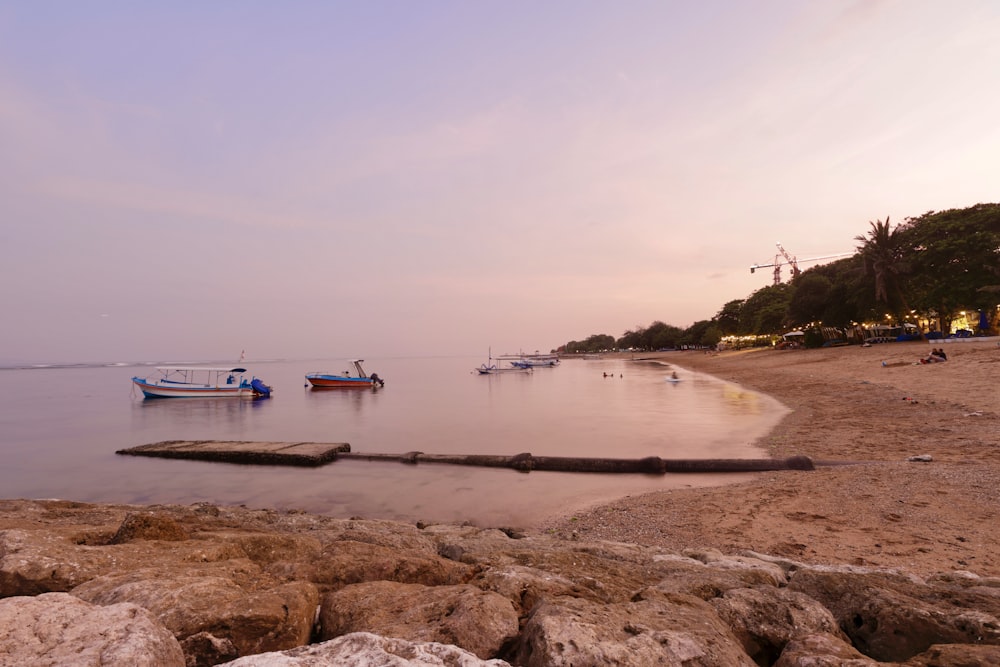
[(536, 361), (490, 368), (344, 380), (201, 382)]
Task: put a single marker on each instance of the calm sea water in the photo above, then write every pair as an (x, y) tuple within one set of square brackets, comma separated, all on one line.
[(60, 429)]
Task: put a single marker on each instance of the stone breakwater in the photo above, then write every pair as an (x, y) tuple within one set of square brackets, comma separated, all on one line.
[(207, 585)]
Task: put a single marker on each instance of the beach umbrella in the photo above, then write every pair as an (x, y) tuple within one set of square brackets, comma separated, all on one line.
[(984, 321)]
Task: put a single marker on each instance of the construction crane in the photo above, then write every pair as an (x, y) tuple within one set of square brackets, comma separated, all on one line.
[(792, 262)]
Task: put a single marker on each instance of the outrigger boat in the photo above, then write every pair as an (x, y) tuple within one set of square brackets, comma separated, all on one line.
[(344, 380), (202, 382), (491, 368), (535, 361)]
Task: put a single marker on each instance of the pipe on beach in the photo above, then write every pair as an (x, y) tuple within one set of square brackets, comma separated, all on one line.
[(652, 465)]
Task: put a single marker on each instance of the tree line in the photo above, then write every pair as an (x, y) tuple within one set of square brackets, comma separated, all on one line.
[(925, 271)]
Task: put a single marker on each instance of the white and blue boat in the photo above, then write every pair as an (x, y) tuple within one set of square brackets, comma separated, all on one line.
[(202, 382), (535, 361)]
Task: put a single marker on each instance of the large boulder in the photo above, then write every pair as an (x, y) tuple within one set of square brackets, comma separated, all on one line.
[(363, 649), (33, 562), (525, 586), (666, 630), (478, 621), (45, 561), (351, 562), (148, 526), (893, 618), (822, 650), (214, 606), (55, 629), (766, 619), (956, 655)]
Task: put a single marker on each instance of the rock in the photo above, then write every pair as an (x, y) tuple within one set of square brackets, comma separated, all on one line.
[(148, 526), (680, 574), (268, 548), (203, 648), (350, 562), (525, 586), (360, 649), (893, 618), (41, 561), (765, 619), (189, 604), (822, 650), (603, 572), (674, 630), (54, 629), (718, 561), (237, 582), (478, 621), (956, 655), (33, 562)]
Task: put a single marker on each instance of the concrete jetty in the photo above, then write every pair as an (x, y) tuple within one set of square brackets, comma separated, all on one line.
[(229, 451), (318, 453)]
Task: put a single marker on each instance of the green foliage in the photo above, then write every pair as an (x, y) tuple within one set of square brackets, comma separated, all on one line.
[(728, 318), (695, 333), (711, 336), (882, 250), (941, 262), (656, 336), (809, 299), (957, 255), (764, 311), (595, 343)]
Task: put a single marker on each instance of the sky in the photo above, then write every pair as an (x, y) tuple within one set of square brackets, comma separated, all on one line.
[(189, 180)]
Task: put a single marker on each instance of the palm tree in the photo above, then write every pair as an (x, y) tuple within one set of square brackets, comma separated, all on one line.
[(884, 258)]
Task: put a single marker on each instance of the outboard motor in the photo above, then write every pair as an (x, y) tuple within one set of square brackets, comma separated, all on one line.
[(376, 379), (260, 388)]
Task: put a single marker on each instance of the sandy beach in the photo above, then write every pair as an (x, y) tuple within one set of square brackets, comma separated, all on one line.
[(871, 408)]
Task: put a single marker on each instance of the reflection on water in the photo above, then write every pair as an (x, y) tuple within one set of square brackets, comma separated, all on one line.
[(182, 419), (741, 401), (59, 441), (355, 399)]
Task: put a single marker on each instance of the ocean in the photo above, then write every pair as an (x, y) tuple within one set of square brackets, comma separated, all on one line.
[(60, 428)]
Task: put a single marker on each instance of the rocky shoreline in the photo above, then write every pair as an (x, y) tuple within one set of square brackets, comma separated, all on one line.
[(207, 585), (888, 562)]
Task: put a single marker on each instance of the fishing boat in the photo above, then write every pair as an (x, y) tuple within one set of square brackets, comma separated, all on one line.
[(201, 382), (493, 369), (490, 368), (344, 379), (535, 361)]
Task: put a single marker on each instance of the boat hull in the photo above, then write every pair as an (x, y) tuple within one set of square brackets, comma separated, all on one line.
[(495, 370), (321, 381), (178, 390)]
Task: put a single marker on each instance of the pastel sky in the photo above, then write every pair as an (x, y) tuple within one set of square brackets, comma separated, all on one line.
[(186, 180)]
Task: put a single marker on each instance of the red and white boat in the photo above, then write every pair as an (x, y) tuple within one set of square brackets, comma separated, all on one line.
[(344, 379)]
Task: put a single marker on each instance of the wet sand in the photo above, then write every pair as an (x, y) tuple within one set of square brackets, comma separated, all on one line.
[(847, 407)]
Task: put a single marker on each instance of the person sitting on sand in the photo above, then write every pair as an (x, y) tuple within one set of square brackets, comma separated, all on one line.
[(934, 357)]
